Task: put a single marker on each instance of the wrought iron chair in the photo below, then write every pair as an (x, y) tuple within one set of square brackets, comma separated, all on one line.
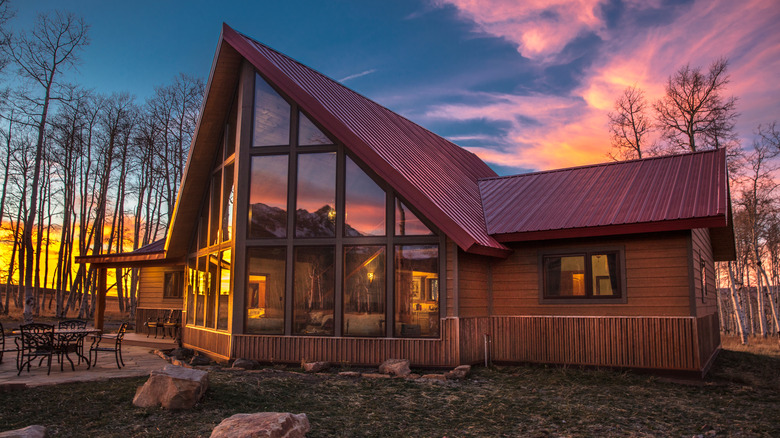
[(117, 348), (173, 324), (7, 348), (155, 324), (37, 342), (71, 342)]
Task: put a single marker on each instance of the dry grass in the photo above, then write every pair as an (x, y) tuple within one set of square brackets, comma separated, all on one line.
[(740, 397)]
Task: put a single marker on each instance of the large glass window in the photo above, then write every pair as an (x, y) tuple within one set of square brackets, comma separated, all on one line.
[(364, 291), (314, 291), (407, 223), (308, 134), (268, 197), (223, 300), (202, 284), (582, 275), (211, 292), (228, 190), (216, 193), (416, 290), (315, 214), (265, 290), (272, 116), (365, 204), (192, 285)]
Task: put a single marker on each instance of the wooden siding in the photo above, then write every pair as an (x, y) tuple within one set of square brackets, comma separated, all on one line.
[(657, 278), (473, 280), (440, 352), (451, 254), (708, 330), (213, 343), (669, 343), (150, 288), (704, 303)]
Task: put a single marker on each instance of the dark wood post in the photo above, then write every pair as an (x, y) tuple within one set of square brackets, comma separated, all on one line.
[(100, 308)]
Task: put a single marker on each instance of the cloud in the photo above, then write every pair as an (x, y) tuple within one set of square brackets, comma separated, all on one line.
[(357, 75), (570, 129)]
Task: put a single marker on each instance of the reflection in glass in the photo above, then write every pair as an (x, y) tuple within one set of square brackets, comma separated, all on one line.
[(232, 129), (365, 204), (200, 292), (223, 300), (272, 116), (314, 273), (407, 223), (417, 290), (211, 292), (265, 290), (308, 134), (216, 191), (564, 276), (203, 226), (268, 197), (605, 276), (227, 204), (191, 287), (364, 291), (315, 214)]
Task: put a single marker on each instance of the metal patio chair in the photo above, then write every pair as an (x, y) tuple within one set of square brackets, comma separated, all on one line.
[(4, 348), (73, 343), (37, 342), (117, 348)]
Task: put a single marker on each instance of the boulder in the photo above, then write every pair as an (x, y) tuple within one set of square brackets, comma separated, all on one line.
[(263, 424), (315, 367), (459, 373), (199, 360), (172, 388), (246, 364), (395, 367), (181, 353), (35, 431)]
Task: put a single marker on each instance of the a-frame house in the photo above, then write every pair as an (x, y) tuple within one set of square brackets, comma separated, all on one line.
[(314, 224)]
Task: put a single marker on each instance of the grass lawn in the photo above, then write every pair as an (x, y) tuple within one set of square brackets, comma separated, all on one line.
[(741, 396)]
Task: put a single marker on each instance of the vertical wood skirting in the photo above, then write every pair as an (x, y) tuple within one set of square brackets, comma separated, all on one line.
[(214, 343)]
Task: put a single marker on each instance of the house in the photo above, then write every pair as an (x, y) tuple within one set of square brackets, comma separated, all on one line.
[(315, 224)]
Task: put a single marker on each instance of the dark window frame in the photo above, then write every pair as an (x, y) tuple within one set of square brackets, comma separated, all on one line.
[(166, 290), (589, 298)]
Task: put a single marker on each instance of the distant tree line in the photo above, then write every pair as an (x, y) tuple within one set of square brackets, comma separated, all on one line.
[(693, 115), (83, 173)]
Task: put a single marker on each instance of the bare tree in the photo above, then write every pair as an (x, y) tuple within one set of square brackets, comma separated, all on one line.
[(629, 125), (52, 46), (693, 115)]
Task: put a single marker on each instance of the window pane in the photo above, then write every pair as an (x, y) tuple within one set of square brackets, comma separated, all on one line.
[(272, 116), (203, 226), (364, 291), (314, 291), (232, 129), (417, 290), (308, 134), (315, 214), (564, 276), (216, 192), (268, 197), (172, 286), (365, 204), (223, 301), (227, 204), (407, 223), (200, 292), (605, 274), (212, 291), (192, 278), (265, 291)]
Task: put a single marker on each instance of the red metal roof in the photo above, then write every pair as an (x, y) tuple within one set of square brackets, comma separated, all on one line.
[(154, 251), (654, 194), (436, 176)]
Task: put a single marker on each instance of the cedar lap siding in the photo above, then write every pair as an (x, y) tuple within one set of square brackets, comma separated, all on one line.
[(632, 245)]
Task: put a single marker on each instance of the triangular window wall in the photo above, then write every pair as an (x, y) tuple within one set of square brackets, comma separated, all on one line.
[(309, 134)]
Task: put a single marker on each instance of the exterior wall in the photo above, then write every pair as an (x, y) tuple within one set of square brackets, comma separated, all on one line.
[(705, 301), (211, 342), (657, 278), (473, 285), (151, 304)]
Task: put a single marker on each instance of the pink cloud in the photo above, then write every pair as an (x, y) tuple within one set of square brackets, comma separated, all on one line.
[(572, 129)]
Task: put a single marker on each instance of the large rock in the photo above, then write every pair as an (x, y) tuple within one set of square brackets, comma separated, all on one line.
[(263, 424), (199, 360), (395, 367), (315, 367), (460, 372), (172, 388), (35, 431), (246, 364)]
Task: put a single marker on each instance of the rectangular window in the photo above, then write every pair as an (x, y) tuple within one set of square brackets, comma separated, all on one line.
[(315, 214), (364, 291), (211, 292), (595, 274), (223, 300), (417, 290), (265, 290), (315, 282), (200, 293), (191, 289), (173, 284), (268, 197), (227, 203)]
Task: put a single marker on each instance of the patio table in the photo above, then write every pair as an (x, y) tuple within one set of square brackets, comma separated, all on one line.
[(70, 337)]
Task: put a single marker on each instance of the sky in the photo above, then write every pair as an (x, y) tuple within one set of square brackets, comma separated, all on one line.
[(526, 85)]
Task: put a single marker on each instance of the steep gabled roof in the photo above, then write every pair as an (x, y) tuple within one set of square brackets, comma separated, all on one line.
[(434, 175), (654, 194), (152, 253)]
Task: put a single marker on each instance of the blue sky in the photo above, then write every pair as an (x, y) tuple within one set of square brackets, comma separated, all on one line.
[(526, 85)]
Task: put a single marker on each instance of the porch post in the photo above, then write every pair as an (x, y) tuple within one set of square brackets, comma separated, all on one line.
[(100, 306)]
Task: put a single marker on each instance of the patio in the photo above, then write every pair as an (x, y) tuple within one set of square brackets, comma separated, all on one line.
[(139, 361)]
